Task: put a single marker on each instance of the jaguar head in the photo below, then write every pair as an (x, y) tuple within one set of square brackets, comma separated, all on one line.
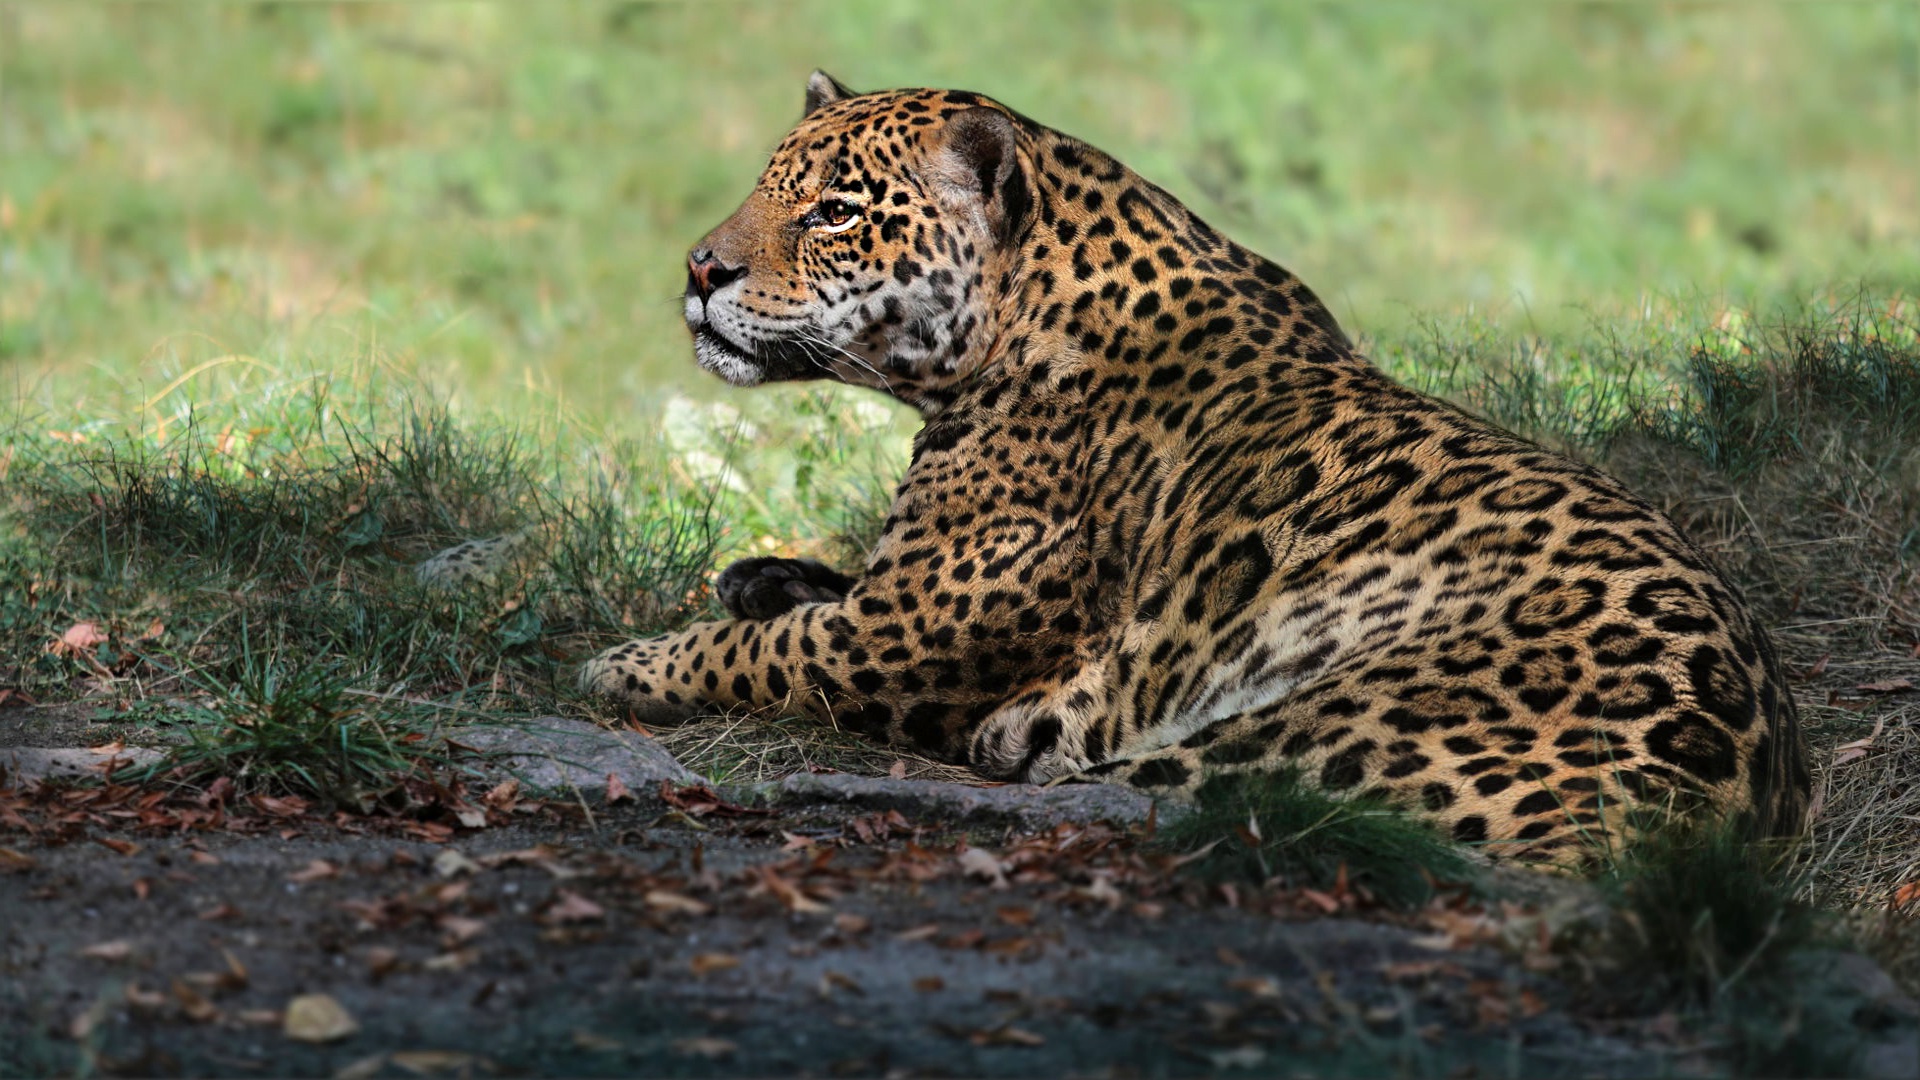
[(872, 248)]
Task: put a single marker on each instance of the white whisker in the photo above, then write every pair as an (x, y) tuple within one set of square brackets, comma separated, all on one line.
[(861, 362)]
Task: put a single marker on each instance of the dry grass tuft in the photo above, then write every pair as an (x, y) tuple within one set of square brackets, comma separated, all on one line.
[(1799, 470), (748, 748)]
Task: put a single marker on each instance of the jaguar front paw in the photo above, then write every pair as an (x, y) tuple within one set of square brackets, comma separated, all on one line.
[(761, 588), (636, 677)]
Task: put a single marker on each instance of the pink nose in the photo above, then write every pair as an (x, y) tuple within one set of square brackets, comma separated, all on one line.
[(706, 273), (698, 264)]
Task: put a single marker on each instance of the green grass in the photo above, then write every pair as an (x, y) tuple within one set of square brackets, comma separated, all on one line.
[(281, 726), (497, 195), (1707, 924), (1268, 827), (1708, 912), (243, 577), (1838, 373)]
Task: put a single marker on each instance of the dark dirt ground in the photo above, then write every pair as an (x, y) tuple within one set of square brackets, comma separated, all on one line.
[(579, 938), (847, 990)]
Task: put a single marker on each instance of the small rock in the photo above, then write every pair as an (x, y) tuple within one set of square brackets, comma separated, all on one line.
[(1023, 806), (20, 763), (1886, 1021), (556, 754)]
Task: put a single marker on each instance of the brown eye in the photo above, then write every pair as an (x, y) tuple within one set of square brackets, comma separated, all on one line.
[(835, 214)]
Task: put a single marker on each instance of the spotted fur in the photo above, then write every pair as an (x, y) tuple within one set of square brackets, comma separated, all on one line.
[(1163, 522)]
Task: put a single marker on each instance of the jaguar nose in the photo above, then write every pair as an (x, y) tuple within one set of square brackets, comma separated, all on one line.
[(706, 274)]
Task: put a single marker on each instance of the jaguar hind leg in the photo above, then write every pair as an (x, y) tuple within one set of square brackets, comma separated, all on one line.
[(1509, 802), (1046, 732)]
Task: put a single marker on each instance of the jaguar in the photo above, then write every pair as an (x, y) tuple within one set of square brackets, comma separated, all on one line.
[(1163, 523)]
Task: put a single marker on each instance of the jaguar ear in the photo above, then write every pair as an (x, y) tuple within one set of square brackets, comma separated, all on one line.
[(979, 166), (823, 89)]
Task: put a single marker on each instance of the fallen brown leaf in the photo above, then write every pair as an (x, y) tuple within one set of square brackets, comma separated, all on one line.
[(677, 903), (364, 1069), (1857, 749), (1239, 1057), (1260, 986), (599, 1044), (570, 906), (1320, 900), (1415, 970), (193, 1005), (286, 806), (82, 1025), (504, 795), (1007, 1035), (78, 639), (965, 939), (461, 929), (381, 960), (1015, 916), (14, 862), (456, 960), (317, 1018), (435, 1062), (1886, 686), (836, 980), (704, 1046), (237, 976), (787, 892), (108, 950), (1102, 891), (451, 863), (542, 856), (707, 963), (981, 863), (1012, 946), (123, 847), (316, 870), (617, 790)]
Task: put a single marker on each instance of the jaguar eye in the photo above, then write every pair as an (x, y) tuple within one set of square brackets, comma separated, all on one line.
[(835, 215)]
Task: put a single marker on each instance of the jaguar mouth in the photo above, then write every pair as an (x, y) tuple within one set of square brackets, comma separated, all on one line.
[(715, 337), (718, 354)]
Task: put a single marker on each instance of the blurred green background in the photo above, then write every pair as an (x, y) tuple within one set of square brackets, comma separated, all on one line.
[(494, 198)]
